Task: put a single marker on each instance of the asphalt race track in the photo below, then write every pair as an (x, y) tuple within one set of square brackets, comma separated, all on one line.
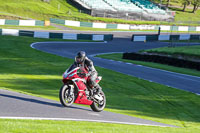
[(21, 106), (175, 80)]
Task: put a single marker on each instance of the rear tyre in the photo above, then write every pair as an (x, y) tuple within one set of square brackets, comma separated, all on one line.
[(66, 99), (98, 105)]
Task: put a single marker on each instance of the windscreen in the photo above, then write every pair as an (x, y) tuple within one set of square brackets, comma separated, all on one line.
[(71, 67)]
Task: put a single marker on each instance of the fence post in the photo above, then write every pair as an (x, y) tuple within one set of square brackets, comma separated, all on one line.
[(189, 34), (159, 30)]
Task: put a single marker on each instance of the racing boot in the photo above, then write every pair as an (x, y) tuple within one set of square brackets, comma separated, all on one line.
[(96, 94)]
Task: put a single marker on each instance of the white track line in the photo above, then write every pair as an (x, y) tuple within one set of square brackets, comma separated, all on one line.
[(71, 119)]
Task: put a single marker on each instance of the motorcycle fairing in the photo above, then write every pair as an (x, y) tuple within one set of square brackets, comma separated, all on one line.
[(81, 97), (80, 83)]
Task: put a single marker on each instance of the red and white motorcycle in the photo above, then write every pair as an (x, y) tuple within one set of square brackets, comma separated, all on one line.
[(76, 90)]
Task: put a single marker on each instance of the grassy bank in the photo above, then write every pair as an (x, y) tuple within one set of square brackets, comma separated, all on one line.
[(31, 71), (38, 126), (33, 126), (28, 27), (186, 51), (187, 15), (118, 57), (36, 9)]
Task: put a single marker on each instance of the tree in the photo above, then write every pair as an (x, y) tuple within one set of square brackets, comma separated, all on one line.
[(168, 1), (196, 4), (185, 3), (46, 1)]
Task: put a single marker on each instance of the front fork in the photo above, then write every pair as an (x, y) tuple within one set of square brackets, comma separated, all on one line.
[(71, 90)]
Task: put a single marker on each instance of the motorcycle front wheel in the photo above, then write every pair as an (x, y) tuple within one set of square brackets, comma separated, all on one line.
[(66, 98), (99, 105)]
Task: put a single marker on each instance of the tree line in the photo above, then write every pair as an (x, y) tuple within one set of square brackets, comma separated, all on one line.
[(185, 3), (195, 3)]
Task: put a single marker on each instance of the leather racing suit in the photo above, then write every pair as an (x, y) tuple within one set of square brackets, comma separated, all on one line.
[(87, 65)]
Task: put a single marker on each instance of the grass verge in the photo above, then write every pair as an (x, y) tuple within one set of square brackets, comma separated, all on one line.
[(28, 27), (118, 57), (187, 51), (31, 71), (185, 16), (45, 126)]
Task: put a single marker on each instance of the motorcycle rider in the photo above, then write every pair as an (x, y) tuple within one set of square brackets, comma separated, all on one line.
[(86, 65)]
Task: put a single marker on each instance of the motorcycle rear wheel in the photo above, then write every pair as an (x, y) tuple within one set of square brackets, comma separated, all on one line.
[(64, 96), (99, 106)]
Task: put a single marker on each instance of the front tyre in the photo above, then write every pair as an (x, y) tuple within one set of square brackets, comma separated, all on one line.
[(99, 104), (66, 97)]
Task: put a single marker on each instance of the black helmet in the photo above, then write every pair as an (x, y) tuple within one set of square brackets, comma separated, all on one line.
[(80, 57)]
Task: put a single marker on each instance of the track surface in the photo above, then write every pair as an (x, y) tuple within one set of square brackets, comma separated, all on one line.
[(69, 49), (20, 106)]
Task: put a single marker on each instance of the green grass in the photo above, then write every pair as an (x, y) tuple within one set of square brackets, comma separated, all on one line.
[(187, 51), (30, 71), (36, 9), (28, 27), (45, 126), (4, 15), (187, 15), (118, 57)]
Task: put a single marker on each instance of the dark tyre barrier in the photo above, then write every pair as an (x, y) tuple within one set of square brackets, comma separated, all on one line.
[(162, 60)]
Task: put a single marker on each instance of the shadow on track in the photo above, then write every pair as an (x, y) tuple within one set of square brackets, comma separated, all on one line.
[(41, 102)]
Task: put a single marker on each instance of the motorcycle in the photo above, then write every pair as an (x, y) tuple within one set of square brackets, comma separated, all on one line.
[(76, 89)]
